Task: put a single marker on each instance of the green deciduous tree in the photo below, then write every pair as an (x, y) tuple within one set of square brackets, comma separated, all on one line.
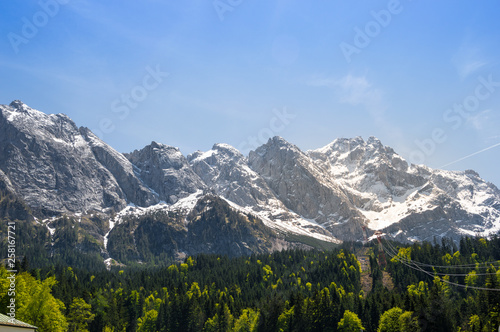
[(475, 323), (35, 303), (247, 322), (147, 323), (397, 320), (408, 323), (350, 322), (389, 321)]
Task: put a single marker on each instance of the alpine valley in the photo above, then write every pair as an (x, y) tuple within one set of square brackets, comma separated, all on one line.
[(69, 190)]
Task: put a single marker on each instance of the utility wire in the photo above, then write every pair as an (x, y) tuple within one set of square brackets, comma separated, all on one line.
[(414, 263), (441, 279), (465, 266)]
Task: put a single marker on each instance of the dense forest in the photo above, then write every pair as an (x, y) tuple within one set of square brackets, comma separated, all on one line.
[(433, 287), (63, 285)]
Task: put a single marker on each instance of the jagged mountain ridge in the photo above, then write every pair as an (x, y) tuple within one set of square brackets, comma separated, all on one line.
[(328, 193), (38, 153), (410, 201), (303, 188), (227, 172), (166, 171)]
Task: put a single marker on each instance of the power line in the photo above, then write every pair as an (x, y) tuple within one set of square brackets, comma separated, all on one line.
[(417, 268), (413, 262), (464, 266)]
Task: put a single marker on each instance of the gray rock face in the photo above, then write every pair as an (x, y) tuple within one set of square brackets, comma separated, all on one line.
[(227, 173), (303, 187), (225, 170), (370, 172), (5, 184), (166, 171), (122, 170), (51, 165), (411, 201), (325, 193), (212, 227)]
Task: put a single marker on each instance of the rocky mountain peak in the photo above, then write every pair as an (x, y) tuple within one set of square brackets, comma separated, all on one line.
[(158, 155), (50, 164), (190, 157), (166, 171), (18, 105), (337, 147), (303, 187), (279, 147), (359, 155), (219, 151), (471, 172), (227, 149), (161, 146), (372, 140), (326, 193), (39, 126), (278, 141)]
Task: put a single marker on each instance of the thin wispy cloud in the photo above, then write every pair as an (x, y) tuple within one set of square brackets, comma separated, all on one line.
[(480, 120), (353, 90), (359, 91), (356, 90), (468, 59), (485, 125)]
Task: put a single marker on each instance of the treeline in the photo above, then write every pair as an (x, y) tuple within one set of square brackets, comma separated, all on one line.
[(211, 227), (208, 292), (73, 244), (156, 238), (293, 290)]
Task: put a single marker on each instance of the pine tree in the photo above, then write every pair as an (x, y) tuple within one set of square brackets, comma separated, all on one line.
[(80, 315)]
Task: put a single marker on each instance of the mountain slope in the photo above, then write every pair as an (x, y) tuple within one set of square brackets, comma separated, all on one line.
[(226, 171), (57, 167), (50, 164), (413, 201), (122, 170), (327, 194), (211, 226), (304, 188), (166, 171)]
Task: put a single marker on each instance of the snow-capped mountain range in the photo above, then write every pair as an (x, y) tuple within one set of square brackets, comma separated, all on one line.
[(327, 194)]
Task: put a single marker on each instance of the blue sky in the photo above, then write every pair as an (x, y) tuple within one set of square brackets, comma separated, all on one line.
[(422, 76)]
